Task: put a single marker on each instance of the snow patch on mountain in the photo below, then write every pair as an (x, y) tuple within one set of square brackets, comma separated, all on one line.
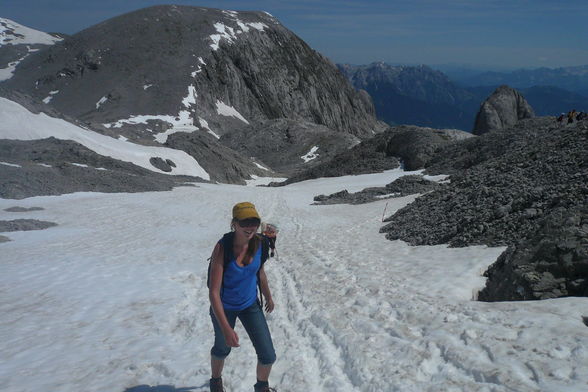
[(100, 102), (204, 124), (49, 97), (17, 123), (230, 33), (228, 111), (182, 122), (12, 33), (312, 154)]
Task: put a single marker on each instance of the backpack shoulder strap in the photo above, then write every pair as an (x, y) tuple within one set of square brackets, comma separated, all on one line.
[(227, 244)]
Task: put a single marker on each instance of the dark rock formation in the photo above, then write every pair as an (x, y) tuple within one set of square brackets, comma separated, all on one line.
[(505, 187), (416, 146), (551, 263), (499, 200), (24, 225), (23, 209), (502, 110), (403, 186), (52, 167)]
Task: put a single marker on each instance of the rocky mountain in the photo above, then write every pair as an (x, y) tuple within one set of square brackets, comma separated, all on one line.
[(414, 95), (17, 42), (573, 79), (165, 70), (502, 109)]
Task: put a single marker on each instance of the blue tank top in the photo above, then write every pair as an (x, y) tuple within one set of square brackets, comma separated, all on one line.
[(239, 289)]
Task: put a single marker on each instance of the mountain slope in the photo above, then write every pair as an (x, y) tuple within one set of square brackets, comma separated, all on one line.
[(167, 69), (17, 42)]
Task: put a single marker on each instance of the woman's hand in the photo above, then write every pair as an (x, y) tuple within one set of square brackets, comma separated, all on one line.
[(269, 305), (231, 337)]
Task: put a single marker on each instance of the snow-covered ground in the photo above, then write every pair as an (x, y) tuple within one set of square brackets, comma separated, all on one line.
[(115, 297)]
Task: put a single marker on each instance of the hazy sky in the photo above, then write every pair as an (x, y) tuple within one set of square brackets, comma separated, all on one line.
[(487, 33)]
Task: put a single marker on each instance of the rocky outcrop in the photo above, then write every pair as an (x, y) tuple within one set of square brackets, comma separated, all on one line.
[(411, 145), (24, 225), (179, 69), (522, 174), (53, 167), (288, 145), (403, 186), (551, 263), (505, 188), (367, 157), (416, 145), (503, 109)]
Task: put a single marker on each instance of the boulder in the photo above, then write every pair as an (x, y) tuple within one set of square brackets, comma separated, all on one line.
[(503, 109)]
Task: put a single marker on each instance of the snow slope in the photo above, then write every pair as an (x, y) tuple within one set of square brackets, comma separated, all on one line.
[(12, 33), (18, 123), (115, 297)]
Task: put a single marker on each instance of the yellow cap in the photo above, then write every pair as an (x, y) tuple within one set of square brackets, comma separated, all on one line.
[(245, 210)]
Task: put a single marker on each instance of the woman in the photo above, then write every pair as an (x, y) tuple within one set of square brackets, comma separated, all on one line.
[(233, 294)]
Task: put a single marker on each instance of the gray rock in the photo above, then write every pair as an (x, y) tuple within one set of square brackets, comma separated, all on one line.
[(403, 186), (4, 239), (24, 225), (551, 263), (23, 209), (503, 109), (504, 186), (417, 145), (161, 164)]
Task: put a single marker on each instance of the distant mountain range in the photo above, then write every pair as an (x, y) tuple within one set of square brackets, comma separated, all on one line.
[(420, 95), (574, 79)]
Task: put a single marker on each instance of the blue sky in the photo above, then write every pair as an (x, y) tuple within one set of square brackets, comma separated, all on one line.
[(489, 34)]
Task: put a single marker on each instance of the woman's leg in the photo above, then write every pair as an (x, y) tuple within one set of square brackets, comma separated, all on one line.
[(254, 322), (220, 350)]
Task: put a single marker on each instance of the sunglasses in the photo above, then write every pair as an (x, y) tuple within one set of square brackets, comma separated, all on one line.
[(250, 222)]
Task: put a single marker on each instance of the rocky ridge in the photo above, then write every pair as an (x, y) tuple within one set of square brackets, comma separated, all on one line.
[(406, 145), (506, 186), (403, 186)]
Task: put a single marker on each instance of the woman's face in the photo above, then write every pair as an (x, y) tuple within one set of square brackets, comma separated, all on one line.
[(247, 227)]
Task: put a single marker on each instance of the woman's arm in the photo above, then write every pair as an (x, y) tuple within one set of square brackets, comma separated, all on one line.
[(216, 278), (265, 291)]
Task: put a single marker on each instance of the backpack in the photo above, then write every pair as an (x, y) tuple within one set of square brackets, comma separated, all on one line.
[(227, 244)]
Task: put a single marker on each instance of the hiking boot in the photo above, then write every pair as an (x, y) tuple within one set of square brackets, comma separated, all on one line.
[(216, 385), (263, 388)]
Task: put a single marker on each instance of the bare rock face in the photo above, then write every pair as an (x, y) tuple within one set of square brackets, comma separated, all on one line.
[(550, 264), (503, 109)]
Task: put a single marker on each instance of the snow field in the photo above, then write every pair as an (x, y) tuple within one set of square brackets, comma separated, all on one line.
[(115, 297)]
